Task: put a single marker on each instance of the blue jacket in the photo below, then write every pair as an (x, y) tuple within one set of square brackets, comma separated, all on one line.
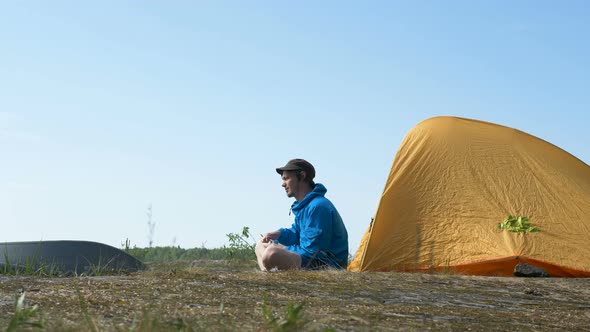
[(318, 233)]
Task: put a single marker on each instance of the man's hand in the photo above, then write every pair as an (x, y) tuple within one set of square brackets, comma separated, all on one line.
[(271, 236)]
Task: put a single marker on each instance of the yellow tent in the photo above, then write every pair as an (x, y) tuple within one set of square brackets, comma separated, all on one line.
[(454, 180)]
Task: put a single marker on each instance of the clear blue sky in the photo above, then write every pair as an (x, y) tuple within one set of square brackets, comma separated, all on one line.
[(107, 107)]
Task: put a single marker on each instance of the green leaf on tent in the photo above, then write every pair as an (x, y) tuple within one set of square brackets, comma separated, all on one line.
[(517, 224)]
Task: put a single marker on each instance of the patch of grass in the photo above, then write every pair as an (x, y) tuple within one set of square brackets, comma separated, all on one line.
[(23, 316), (291, 320), (30, 263), (102, 267), (7, 265), (226, 298), (32, 266)]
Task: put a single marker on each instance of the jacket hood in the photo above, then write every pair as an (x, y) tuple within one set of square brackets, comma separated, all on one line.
[(318, 190)]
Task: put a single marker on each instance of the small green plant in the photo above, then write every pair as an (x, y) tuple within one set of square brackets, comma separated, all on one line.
[(29, 268), (240, 246), (291, 321), (7, 265), (125, 246), (23, 316), (517, 224)]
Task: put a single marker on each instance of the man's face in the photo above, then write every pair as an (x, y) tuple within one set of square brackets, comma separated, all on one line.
[(290, 183)]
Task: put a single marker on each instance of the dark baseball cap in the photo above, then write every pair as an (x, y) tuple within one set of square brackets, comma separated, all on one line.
[(298, 165)]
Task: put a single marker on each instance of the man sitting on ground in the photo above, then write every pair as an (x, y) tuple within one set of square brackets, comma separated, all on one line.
[(317, 238)]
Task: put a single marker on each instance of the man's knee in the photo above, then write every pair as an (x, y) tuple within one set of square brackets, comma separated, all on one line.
[(278, 257), (270, 254)]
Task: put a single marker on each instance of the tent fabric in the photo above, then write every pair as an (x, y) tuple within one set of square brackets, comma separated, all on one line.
[(453, 180), (66, 257)]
